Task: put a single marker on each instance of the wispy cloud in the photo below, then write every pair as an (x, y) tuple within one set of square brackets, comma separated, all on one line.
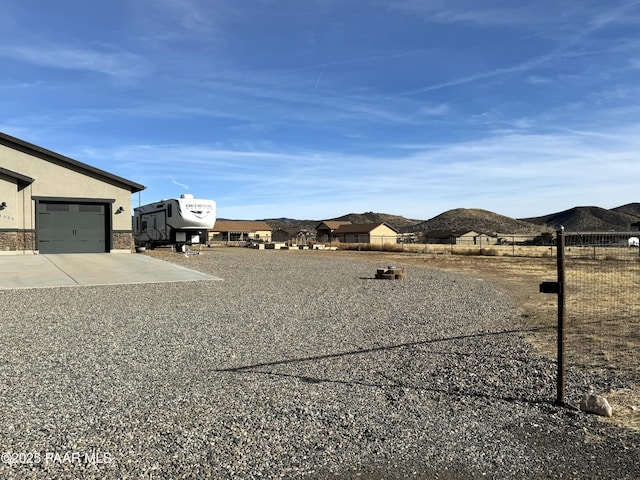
[(538, 80), (103, 60), (524, 66), (181, 185), (548, 18), (516, 175), (434, 110)]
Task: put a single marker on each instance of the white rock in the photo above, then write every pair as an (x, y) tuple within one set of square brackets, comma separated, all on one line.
[(596, 404)]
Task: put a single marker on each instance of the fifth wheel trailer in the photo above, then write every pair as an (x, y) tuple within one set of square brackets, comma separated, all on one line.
[(175, 221)]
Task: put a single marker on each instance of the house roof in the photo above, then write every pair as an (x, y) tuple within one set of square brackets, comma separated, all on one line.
[(22, 179), (49, 156), (293, 231), (240, 226), (361, 227), (451, 233), (332, 224)]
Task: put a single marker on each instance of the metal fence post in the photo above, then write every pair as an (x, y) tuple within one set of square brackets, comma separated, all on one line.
[(561, 305)]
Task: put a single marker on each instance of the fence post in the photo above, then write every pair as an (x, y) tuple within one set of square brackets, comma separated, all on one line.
[(561, 305)]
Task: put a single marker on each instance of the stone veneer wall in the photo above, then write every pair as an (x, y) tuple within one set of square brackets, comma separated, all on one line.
[(122, 241), (17, 241)]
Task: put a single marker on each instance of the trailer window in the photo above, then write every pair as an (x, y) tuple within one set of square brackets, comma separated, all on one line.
[(170, 210)]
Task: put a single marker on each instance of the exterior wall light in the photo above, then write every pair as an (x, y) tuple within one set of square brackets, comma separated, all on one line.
[(3, 205), (119, 210)]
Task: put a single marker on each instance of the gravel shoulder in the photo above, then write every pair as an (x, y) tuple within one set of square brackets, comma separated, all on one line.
[(296, 365)]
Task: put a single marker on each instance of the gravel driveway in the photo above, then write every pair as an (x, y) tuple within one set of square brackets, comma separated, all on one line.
[(298, 364)]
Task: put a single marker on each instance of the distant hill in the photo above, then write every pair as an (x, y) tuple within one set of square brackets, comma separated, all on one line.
[(629, 209), (594, 219), (397, 222), (477, 220), (483, 221), (285, 223), (401, 224)]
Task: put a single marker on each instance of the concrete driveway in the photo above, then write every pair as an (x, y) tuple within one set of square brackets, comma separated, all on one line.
[(60, 270)]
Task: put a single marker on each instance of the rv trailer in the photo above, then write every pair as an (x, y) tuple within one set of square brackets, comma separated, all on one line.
[(175, 221)]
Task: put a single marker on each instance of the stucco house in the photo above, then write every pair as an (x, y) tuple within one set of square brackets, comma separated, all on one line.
[(459, 237), (239, 231), (292, 236), (369, 233), (325, 229), (50, 203)]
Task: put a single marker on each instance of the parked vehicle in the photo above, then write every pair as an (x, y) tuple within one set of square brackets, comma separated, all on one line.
[(176, 221)]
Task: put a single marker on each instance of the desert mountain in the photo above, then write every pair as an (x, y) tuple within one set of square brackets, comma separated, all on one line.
[(401, 224), (477, 220), (291, 223), (589, 219), (629, 209), (484, 221), (396, 221)]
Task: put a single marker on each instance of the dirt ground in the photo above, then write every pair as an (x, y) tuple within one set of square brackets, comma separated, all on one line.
[(537, 312)]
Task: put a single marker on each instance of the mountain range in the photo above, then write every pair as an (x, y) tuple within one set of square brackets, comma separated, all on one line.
[(592, 219)]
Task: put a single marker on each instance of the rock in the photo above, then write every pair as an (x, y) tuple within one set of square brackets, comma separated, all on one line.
[(596, 404)]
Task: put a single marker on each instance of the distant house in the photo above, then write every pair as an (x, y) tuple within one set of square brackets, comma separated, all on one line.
[(452, 237), (239, 231), (440, 236), (325, 229), (370, 233), (292, 236), (483, 239)]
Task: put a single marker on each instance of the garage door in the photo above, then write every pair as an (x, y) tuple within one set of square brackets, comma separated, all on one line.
[(71, 227)]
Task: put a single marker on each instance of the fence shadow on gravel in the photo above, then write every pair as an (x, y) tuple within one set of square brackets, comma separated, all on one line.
[(258, 368)]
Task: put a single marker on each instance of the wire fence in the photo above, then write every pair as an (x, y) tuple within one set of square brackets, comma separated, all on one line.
[(534, 245), (602, 306)]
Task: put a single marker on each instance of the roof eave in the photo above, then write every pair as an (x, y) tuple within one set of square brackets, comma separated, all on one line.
[(22, 179), (43, 153)]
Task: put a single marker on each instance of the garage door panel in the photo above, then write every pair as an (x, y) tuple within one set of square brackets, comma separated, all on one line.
[(71, 228)]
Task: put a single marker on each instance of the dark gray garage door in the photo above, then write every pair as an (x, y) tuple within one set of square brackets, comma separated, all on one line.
[(71, 227)]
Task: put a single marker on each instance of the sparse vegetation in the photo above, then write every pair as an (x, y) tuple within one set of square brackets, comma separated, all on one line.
[(521, 277)]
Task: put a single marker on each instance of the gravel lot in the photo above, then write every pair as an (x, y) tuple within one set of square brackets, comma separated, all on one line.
[(298, 364)]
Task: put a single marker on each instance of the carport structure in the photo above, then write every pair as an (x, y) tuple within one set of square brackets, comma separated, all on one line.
[(50, 203)]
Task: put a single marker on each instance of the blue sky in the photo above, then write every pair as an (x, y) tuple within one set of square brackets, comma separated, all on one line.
[(312, 109)]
